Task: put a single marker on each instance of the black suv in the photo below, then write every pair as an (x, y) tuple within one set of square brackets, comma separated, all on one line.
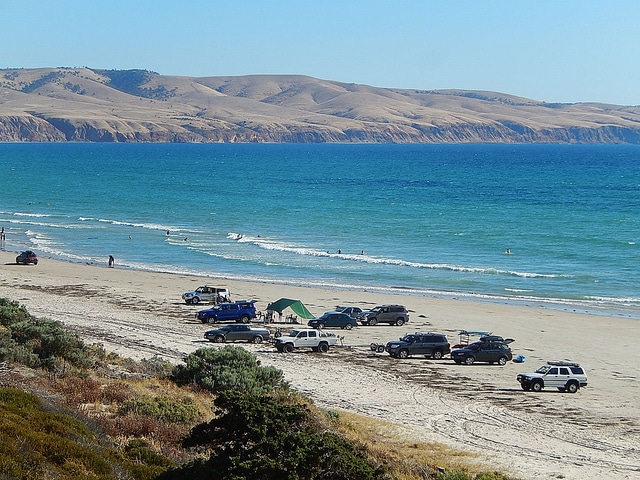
[(434, 345), (391, 314), (235, 311), (488, 349)]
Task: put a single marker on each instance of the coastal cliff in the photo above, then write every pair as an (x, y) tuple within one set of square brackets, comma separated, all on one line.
[(91, 105)]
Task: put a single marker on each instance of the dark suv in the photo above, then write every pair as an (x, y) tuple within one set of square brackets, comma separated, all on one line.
[(235, 311), (491, 350), (434, 345), (27, 257), (391, 314)]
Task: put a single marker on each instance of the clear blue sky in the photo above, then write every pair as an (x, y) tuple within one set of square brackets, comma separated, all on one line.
[(550, 50)]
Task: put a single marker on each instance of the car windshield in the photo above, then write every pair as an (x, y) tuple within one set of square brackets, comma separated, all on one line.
[(408, 338), (294, 333), (543, 369)]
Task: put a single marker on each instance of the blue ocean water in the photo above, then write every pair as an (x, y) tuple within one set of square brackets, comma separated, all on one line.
[(421, 219)]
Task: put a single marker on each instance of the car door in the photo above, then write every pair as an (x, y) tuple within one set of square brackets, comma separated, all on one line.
[(487, 352), (551, 377), (238, 333), (420, 345), (304, 340), (230, 312)]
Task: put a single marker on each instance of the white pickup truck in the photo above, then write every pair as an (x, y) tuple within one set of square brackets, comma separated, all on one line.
[(317, 340)]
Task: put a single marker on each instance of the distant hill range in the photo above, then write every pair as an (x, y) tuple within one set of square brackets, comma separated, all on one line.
[(91, 105)]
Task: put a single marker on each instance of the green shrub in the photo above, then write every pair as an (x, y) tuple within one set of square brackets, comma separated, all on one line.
[(229, 368), (12, 312), (161, 408), (260, 436), (39, 442), (39, 342)]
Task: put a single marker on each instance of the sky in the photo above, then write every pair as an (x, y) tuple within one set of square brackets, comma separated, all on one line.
[(549, 50)]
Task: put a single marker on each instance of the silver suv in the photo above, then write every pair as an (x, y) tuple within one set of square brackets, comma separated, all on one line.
[(565, 376), (391, 314), (207, 293)]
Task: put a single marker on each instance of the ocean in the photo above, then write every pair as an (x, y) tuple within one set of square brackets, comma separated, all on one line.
[(544, 225)]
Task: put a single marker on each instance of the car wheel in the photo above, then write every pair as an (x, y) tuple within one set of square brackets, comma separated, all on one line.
[(348, 326), (372, 321), (195, 300), (320, 326), (288, 347), (257, 339), (36, 262), (211, 320), (244, 319), (469, 360), (403, 354), (437, 355), (400, 322), (502, 361), (219, 339), (380, 348), (572, 387), (536, 386), (323, 347)]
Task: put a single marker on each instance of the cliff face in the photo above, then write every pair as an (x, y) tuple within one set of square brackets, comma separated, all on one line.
[(57, 105)]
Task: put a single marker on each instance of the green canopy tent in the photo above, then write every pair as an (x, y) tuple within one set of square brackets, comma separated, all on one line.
[(296, 305)]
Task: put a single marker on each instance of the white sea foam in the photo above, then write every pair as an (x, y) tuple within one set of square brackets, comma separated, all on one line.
[(305, 251)]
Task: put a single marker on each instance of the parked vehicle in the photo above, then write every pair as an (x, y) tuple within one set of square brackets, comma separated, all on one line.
[(237, 332), (27, 257), (355, 312), (234, 311), (334, 319), (207, 293), (565, 376), (484, 351), (391, 314), (434, 345), (317, 340)]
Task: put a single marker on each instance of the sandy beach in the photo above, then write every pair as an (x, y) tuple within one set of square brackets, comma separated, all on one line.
[(592, 434)]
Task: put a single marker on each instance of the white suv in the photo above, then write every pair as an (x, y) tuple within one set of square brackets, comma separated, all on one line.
[(207, 293), (565, 376)]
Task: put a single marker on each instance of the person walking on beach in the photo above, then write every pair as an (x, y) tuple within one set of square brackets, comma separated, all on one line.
[(111, 261)]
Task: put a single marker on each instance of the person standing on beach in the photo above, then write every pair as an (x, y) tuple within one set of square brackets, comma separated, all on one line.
[(111, 261)]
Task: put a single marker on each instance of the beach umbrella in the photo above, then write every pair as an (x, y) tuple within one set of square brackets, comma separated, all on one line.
[(296, 305)]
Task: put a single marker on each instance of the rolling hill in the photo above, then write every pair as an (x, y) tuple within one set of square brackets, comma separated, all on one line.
[(93, 105)]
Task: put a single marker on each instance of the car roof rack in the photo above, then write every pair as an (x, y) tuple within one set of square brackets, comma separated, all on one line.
[(563, 364)]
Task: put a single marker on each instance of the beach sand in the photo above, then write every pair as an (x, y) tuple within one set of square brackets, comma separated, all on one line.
[(481, 409)]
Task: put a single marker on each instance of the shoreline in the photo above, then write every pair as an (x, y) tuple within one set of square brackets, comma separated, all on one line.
[(479, 409), (583, 307)]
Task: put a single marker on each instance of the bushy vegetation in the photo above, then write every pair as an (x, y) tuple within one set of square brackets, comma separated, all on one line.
[(161, 408), (229, 368), (268, 436), (39, 443), (39, 342)]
